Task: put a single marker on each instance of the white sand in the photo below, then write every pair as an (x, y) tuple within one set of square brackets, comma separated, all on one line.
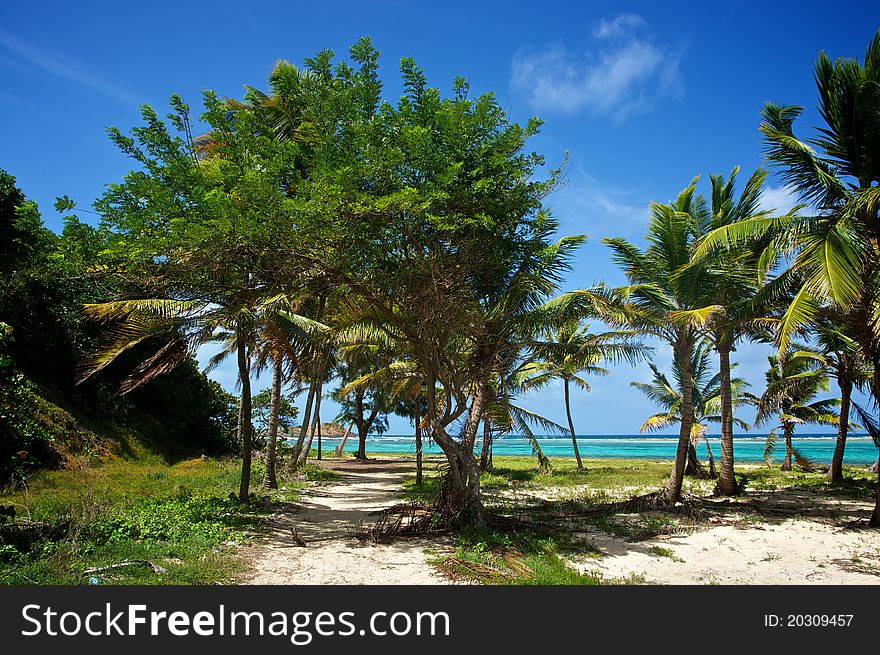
[(796, 538), (792, 551), (325, 519)]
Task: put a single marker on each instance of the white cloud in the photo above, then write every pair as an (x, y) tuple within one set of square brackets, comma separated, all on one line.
[(61, 67), (621, 72), (779, 200), (620, 25), (588, 204)]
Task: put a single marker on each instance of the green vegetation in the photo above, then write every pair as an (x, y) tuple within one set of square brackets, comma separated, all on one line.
[(178, 517), (520, 558)]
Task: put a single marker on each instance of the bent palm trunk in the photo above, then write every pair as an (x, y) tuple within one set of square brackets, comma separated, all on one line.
[(341, 447), (670, 494), (786, 463), (294, 458), (574, 441)]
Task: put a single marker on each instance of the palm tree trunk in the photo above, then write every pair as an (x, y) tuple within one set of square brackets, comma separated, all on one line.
[(269, 481), (418, 446), (244, 422), (672, 491), (341, 447), (835, 472), (786, 463), (727, 485), (294, 458), (712, 472), (319, 439), (874, 522), (316, 422), (693, 466), (486, 450), (574, 441), (361, 427)]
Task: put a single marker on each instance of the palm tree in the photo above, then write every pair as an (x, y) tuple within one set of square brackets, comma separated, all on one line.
[(794, 379), (571, 350), (708, 393), (652, 302), (730, 282), (839, 354), (176, 329), (836, 253)]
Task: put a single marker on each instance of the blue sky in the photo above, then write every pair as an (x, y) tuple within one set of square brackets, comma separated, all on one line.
[(643, 96)]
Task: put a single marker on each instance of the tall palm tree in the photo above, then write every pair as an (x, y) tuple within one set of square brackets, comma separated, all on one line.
[(571, 350), (708, 393), (794, 379), (651, 303), (731, 286), (836, 253)]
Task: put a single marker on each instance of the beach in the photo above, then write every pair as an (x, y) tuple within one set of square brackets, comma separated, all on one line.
[(788, 530)]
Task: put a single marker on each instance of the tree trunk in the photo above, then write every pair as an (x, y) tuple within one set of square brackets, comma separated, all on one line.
[(486, 450), (475, 415), (316, 422), (786, 463), (307, 417), (418, 446), (835, 472), (341, 447), (693, 466), (361, 427), (727, 485), (459, 502), (875, 515), (670, 494), (574, 441), (269, 481), (712, 472), (244, 423)]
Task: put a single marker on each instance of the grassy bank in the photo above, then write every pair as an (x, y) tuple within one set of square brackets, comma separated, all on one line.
[(181, 518)]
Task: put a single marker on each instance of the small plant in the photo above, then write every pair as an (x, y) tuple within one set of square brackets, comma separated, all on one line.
[(666, 552)]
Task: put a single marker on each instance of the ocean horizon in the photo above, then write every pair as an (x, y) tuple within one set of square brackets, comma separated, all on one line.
[(819, 448)]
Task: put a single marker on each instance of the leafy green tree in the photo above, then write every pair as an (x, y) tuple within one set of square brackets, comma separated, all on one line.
[(436, 207), (170, 218), (286, 411)]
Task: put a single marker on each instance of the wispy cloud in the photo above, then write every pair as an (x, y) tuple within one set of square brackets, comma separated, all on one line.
[(61, 67), (779, 200), (621, 72), (589, 204)]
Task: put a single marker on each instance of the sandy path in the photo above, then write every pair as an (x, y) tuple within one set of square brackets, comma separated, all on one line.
[(325, 519)]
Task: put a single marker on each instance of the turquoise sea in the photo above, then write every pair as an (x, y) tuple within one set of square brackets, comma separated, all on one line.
[(817, 447)]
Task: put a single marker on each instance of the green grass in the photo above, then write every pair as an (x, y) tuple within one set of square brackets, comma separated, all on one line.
[(512, 558), (179, 517)]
